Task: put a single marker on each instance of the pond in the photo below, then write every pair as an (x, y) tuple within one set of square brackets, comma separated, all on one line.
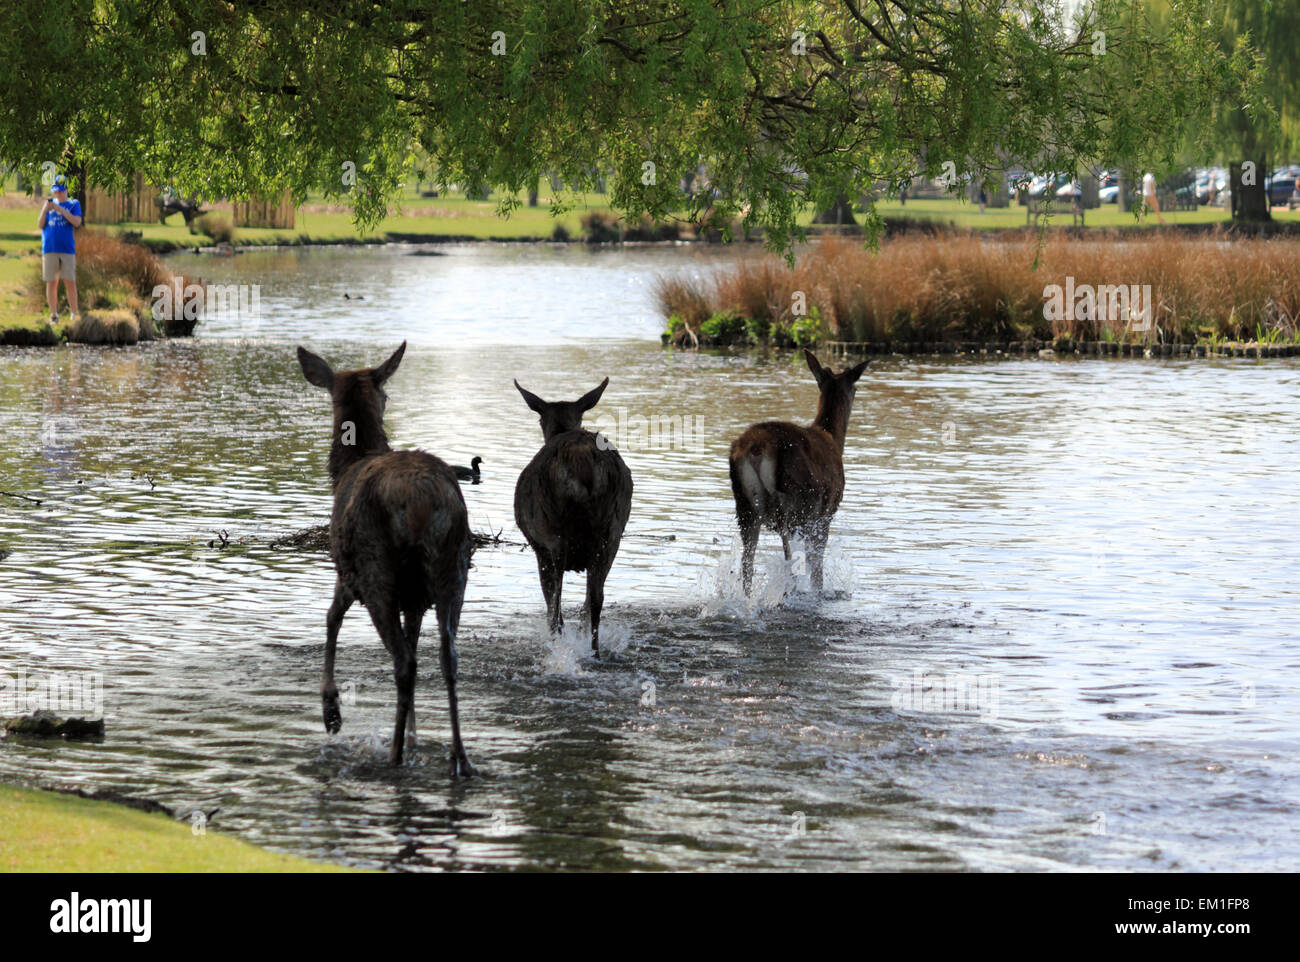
[(1058, 631)]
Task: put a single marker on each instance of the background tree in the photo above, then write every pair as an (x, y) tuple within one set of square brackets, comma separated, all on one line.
[(1264, 136), (787, 102)]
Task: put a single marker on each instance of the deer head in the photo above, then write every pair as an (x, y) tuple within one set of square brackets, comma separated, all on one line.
[(557, 417), (837, 392), (359, 401)]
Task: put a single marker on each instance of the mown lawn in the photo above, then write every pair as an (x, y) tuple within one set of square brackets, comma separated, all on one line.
[(322, 222), (51, 832)]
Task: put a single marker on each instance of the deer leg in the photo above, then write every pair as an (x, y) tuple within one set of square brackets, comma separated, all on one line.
[(329, 692), (749, 544), (818, 534), (448, 623), (596, 598), (389, 625), (411, 621), (552, 577)]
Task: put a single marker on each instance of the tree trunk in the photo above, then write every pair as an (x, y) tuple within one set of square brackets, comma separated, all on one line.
[(1249, 201), (78, 171), (840, 214), (532, 194)]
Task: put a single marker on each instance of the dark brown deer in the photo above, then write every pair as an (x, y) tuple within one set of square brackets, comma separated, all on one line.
[(790, 479), (572, 503), (400, 540)]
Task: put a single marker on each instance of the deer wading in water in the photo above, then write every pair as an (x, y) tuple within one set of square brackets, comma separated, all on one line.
[(790, 479), (572, 503), (399, 536)]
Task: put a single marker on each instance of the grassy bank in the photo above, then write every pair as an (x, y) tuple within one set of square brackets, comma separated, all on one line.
[(317, 222), (115, 283), (51, 832), (953, 288)]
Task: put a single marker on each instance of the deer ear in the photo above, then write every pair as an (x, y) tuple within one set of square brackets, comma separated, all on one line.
[(532, 400), (590, 399), (316, 369), (814, 365), (855, 372), (389, 367)]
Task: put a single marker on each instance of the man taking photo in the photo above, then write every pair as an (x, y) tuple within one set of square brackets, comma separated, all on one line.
[(59, 247)]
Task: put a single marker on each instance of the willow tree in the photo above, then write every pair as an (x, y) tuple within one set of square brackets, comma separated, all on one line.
[(1264, 132), (786, 103)]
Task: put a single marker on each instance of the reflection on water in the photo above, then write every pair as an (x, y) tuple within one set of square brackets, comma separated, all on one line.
[(1059, 631)]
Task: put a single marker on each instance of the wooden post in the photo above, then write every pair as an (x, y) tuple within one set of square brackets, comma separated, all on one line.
[(275, 213)]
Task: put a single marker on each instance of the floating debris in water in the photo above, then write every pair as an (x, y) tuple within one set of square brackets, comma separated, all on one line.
[(317, 538)]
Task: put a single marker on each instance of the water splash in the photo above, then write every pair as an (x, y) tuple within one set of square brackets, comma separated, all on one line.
[(777, 583), (569, 652)]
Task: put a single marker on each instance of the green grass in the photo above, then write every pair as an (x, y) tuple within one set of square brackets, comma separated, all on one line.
[(15, 313), (51, 832), (449, 216)]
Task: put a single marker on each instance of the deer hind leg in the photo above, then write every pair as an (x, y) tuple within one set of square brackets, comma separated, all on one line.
[(818, 534), (329, 692), (412, 618), (389, 625), (749, 545), (596, 575), (552, 577), (749, 494), (448, 624)]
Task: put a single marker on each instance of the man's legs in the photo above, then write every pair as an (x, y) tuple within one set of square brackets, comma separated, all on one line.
[(70, 288), (52, 296)]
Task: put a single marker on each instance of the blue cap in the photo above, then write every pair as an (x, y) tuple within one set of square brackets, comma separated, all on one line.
[(60, 183)]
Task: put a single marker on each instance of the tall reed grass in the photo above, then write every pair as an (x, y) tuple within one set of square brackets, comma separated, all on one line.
[(940, 287)]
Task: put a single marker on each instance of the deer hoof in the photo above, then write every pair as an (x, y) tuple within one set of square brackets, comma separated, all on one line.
[(330, 709), (460, 767)]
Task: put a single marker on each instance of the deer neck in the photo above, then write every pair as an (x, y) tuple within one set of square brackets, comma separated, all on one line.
[(833, 418), (357, 436)]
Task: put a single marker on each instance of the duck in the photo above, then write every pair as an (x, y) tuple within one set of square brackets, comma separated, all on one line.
[(470, 474)]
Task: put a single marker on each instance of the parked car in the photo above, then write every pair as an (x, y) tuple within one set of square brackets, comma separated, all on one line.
[(1109, 194), (1282, 184), (1048, 184)]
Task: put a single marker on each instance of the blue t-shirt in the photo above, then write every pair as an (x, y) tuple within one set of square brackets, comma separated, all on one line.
[(57, 237)]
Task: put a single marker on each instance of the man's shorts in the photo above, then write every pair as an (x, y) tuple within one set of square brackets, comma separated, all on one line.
[(59, 266)]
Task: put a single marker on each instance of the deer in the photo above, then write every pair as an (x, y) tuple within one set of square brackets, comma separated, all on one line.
[(572, 502), (400, 541), (790, 479)]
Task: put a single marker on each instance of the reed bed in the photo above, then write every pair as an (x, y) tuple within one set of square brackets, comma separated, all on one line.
[(961, 288)]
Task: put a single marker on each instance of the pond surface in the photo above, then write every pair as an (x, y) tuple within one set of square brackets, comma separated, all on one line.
[(1059, 631)]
